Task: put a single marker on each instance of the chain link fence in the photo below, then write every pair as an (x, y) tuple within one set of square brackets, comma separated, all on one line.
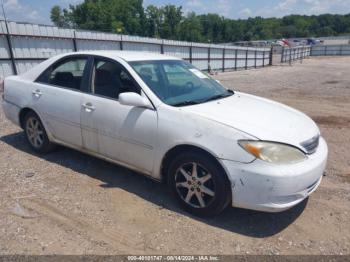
[(290, 54), (330, 50), (23, 45)]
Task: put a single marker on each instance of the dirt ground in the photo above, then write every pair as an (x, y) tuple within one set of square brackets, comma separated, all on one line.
[(70, 203)]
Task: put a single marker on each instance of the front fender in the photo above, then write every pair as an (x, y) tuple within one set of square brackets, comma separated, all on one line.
[(181, 128)]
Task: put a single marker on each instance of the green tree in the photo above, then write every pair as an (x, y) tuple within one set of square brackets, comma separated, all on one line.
[(130, 17), (57, 16), (108, 15), (153, 21), (191, 29), (172, 17), (212, 25)]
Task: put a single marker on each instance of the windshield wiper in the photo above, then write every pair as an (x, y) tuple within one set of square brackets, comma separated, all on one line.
[(196, 102), (186, 103), (229, 93)]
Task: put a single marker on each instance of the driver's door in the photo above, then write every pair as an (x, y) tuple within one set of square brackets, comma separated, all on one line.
[(123, 133)]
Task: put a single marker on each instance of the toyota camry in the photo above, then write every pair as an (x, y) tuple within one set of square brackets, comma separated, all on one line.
[(164, 118)]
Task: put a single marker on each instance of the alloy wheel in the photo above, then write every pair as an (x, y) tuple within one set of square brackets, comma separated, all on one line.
[(195, 185), (35, 132)]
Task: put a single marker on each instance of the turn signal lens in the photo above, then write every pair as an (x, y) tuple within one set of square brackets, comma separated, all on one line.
[(255, 151)]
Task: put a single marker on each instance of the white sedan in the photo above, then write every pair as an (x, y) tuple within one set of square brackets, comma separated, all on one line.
[(164, 118)]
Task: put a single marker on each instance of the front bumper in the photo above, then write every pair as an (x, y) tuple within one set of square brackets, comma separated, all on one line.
[(273, 188)]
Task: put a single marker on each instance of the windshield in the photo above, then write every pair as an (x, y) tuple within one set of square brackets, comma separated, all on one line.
[(178, 83)]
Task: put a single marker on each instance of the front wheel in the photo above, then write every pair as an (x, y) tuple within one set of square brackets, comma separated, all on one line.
[(199, 184)]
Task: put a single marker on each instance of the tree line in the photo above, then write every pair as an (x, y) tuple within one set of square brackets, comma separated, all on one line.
[(170, 22)]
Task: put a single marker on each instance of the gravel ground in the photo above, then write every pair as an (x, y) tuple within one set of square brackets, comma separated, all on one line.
[(70, 203)]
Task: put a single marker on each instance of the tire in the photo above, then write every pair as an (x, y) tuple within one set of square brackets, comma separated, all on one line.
[(203, 192), (36, 134)]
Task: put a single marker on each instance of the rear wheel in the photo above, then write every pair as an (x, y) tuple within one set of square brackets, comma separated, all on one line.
[(36, 134), (199, 184)]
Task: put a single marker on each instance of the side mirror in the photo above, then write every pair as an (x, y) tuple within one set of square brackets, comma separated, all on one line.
[(133, 99)]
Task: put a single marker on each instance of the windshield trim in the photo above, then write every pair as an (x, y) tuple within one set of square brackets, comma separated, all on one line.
[(191, 103), (172, 91)]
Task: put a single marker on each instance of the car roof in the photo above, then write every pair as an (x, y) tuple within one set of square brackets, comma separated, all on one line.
[(129, 55)]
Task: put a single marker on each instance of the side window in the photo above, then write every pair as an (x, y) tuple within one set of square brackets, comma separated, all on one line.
[(68, 73), (110, 79)]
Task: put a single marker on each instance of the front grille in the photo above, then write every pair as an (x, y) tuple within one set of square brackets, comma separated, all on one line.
[(311, 145)]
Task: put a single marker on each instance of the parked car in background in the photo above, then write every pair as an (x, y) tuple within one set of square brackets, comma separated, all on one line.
[(313, 41), (283, 42), (166, 119), (296, 42)]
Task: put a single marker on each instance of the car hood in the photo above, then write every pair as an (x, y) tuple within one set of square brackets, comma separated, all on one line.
[(259, 117)]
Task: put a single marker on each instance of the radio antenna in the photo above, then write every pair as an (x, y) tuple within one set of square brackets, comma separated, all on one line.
[(8, 38), (3, 10)]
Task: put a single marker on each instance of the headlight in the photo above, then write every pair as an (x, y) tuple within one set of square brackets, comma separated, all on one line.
[(273, 152)]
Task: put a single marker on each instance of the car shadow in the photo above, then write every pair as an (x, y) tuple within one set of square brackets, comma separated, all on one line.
[(245, 222)]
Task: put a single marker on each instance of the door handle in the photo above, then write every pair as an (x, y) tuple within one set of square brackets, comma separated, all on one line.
[(37, 93), (88, 107)]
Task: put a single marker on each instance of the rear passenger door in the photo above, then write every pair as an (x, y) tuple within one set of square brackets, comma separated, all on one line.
[(57, 98)]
